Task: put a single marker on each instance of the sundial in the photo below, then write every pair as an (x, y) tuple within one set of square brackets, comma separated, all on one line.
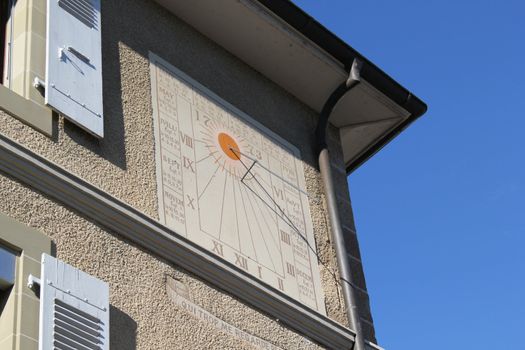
[(232, 186)]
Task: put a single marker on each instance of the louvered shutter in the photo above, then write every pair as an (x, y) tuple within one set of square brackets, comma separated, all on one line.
[(74, 62), (74, 308)]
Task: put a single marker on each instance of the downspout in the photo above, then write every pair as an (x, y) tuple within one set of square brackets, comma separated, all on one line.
[(331, 201)]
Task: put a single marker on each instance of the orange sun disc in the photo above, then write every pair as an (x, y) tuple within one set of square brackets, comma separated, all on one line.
[(229, 146)]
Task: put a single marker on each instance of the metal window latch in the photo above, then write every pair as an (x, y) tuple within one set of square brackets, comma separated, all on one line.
[(75, 52), (39, 83), (33, 283)]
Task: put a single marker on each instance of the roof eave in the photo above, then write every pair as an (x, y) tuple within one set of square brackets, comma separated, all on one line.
[(344, 53)]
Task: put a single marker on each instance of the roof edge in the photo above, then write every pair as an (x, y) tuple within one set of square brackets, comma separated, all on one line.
[(341, 51)]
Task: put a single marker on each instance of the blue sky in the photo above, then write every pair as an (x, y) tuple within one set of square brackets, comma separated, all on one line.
[(440, 211)]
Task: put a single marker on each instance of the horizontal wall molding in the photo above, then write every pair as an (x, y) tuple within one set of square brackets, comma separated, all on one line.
[(106, 210)]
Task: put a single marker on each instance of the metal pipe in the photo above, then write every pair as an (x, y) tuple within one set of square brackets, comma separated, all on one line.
[(331, 201)]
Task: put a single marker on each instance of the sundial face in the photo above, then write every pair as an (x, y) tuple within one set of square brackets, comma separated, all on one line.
[(232, 186)]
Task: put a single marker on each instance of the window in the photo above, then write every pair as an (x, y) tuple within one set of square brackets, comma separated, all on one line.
[(22, 309), (23, 35), (22, 58), (21, 248), (7, 275), (68, 50)]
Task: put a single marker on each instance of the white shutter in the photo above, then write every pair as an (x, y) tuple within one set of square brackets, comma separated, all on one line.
[(74, 62), (74, 308)]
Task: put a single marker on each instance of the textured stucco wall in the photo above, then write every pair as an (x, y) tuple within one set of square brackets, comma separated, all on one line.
[(123, 165), (142, 316)]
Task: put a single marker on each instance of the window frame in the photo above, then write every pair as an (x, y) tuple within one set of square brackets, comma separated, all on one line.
[(20, 98), (19, 319)]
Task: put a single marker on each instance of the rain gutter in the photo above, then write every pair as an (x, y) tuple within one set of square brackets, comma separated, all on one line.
[(344, 53)]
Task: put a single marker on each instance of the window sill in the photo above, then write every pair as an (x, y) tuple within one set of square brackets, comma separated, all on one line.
[(27, 111)]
